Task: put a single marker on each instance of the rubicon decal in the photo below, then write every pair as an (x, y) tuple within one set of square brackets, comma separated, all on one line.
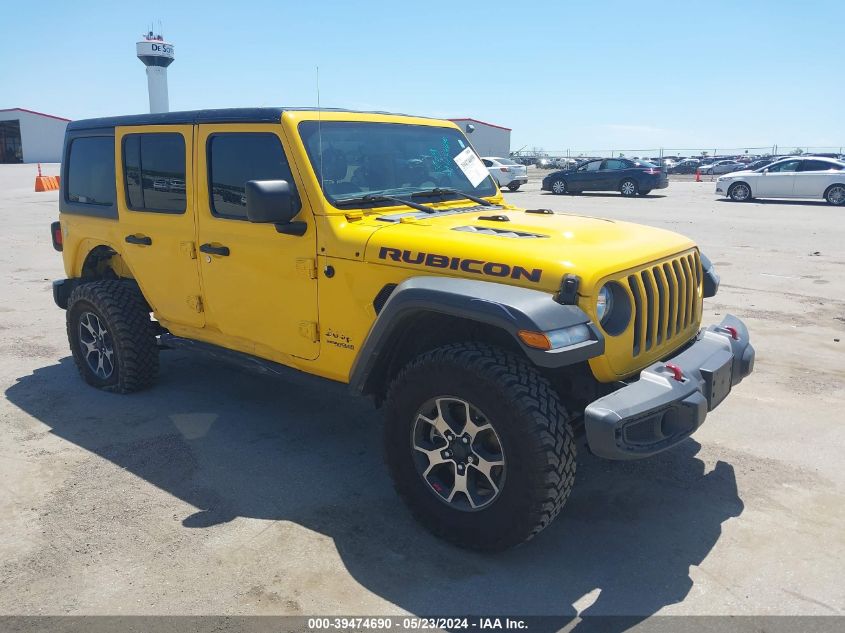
[(474, 266)]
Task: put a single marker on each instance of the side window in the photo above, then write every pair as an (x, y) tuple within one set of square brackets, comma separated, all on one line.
[(816, 165), (487, 163), (613, 164), (235, 158), (154, 172), (593, 166), (787, 166), (91, 171)]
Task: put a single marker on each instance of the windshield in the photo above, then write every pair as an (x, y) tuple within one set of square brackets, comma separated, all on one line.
[(644, 163), (390, 159)]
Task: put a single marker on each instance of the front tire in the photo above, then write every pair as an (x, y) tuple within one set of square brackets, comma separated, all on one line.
[(835, 195), (559, 186), (478, 445), (111, 336), (513, 187), (628, 187), (739, 192)]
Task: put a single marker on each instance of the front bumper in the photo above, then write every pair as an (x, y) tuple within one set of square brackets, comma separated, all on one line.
[(658, 411)]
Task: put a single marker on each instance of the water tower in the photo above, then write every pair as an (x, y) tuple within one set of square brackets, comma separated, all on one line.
[(157, 55)]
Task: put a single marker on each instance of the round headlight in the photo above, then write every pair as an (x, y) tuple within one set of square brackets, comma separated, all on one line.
[(613, 308), (604, 305)]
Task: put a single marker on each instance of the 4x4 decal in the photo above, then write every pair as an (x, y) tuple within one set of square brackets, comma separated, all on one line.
[(475, 266)]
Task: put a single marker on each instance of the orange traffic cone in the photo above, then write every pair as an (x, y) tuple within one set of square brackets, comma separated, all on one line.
[(46, 183), (698, 174)]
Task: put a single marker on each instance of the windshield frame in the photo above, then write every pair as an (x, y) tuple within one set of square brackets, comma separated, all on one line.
[(398, 192)]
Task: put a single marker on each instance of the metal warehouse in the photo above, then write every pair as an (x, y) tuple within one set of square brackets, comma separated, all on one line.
[(27, 136), (487, 138)]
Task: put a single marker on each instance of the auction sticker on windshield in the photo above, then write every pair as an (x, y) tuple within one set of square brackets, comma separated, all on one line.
[(471, 165)]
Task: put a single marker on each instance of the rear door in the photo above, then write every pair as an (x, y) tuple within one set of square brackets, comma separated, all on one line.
[(778, 181), (259, 285), (812, 178), (155, 197)]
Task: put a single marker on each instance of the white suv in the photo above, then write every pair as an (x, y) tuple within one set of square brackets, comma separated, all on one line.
[(506, 172), (792, 177)]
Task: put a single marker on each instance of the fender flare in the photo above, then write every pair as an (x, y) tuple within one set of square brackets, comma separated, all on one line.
[(510, 308)]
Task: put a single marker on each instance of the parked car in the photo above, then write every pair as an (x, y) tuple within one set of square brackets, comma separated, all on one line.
[(721, 167), (608, 174), (686, 166), (506, 172), (762, 162), (792, 177), (545, 163)]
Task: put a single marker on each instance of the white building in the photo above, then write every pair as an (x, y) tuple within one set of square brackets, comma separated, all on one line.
[(31, 137), (487, 139)]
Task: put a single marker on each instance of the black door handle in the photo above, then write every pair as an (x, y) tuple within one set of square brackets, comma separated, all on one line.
[(215, 250), (141, 240)]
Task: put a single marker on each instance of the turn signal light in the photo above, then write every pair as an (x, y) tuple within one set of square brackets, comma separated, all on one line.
[(537, 340)]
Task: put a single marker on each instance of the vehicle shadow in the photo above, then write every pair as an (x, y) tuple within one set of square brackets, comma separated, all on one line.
[(796, 203), (602, 194), (236, 444)]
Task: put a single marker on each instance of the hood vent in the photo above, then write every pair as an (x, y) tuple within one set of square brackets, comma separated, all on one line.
[(484, 230)]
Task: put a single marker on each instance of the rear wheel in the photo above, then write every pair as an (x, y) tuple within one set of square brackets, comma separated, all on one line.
[(739, 192), (628, 187), (513, 187), (479, 445), (111, 336), (559, 186), (835, 195)]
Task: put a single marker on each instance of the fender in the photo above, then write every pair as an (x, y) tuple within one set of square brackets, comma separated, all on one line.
[(509, 308)]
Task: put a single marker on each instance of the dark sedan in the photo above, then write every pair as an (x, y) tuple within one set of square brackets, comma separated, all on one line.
[(628, 177)]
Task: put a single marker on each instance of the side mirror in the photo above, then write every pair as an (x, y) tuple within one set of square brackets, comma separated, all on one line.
[(470, 128), (271, 201)]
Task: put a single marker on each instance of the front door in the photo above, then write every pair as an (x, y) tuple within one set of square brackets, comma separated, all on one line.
[(586, 178), (778, 181), (155, 201), (259, 285)]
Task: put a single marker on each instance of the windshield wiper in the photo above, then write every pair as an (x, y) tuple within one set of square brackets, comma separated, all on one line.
[(437, 191), (375, 197)]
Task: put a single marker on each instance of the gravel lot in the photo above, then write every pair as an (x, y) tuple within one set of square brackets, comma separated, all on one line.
[(224, 492)]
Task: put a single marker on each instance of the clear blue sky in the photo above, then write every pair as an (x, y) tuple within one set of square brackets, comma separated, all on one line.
[(563, 74)]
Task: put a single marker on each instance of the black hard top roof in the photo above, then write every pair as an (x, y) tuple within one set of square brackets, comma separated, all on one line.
[(219, 115)]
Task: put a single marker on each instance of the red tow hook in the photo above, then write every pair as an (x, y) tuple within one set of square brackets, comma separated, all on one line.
[(677, 374), (732, 331)]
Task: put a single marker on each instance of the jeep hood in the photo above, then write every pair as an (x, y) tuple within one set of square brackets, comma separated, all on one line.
[(531, 249)]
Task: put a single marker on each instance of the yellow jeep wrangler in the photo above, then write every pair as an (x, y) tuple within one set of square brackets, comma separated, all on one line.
[(375, 249)]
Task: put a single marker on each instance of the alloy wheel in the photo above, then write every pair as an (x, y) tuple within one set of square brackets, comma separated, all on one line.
[(458, 453), (97, 346), (740, 192), (836, 195), (629, 188), (558, 186)]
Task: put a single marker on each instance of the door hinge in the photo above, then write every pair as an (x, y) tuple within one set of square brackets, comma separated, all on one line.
[(188, 248), (308, 330), (307, 267), (195, 301)]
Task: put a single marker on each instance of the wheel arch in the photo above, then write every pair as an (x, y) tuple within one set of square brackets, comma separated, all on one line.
[(423, 313), (101, 260)]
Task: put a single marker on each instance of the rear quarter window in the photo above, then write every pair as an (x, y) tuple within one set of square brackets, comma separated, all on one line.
[(90, 171)]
